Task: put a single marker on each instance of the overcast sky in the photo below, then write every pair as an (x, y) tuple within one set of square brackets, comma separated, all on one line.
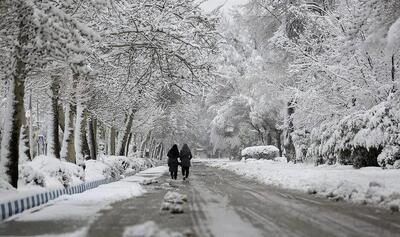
[(212, 4)]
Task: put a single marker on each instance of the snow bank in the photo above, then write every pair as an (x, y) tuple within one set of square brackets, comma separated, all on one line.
[(46, 178), (44, 171), (370, 185), (260, 152), (85, 205), (116, 166)]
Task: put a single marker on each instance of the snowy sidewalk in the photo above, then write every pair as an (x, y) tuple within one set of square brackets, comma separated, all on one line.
[(370, 185), (85, 206)]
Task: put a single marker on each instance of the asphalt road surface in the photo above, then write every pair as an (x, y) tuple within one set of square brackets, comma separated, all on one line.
[(221, 203)]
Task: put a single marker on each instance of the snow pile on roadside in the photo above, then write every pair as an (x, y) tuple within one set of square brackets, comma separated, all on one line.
[(85, 205), (149, 229), (370, 185), (47, 171), (260, 152), (115, 166)]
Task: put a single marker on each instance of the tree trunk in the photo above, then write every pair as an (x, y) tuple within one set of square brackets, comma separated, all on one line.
[(161, 153), (81, 146), (144, 143), (269, 138), (112, 141), (30, 135), (68, 147), (128, 144), (84, 136), (157, 151), (24, 152), (91, 122), (393, 73), (15, 115), (125, 134), (290, 150), (54, 141), (278, 134)]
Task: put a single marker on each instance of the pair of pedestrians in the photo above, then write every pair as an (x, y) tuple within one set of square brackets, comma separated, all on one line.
[(185, 155)]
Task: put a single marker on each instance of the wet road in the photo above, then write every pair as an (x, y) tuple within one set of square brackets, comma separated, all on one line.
[(221, 203)]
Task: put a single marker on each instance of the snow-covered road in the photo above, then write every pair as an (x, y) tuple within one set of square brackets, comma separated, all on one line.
[(220, 203)]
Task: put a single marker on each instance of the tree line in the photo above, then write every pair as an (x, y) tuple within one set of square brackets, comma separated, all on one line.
[(98, 71)]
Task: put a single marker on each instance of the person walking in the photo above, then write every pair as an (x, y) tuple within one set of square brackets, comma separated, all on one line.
[(173, 163), (185, 156)]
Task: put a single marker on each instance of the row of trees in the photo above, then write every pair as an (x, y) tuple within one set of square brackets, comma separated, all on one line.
[(99, 71), (293, 69)]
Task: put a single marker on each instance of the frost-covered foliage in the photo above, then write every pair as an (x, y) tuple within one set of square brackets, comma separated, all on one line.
[(362, 135), (88, 70), (390, 157), (260, 152), (116, 166), (47, 171), (319, 74), (230, 125)]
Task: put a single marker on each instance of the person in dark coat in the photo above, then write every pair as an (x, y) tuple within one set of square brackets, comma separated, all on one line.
[(173, 162), (185, 156)]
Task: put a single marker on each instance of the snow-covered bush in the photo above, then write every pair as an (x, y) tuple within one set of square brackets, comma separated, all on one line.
[(390, 157), (359, 138), (30, 176), (260, 152), (49, 171), (115, 166), (5, 185)]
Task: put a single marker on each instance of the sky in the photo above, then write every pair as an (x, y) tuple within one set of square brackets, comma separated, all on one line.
[(212, 4)]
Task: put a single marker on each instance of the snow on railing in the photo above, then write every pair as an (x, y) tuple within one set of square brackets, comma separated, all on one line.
[(20, 204)]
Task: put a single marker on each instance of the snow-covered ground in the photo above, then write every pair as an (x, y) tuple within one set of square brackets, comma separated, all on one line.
[(371, 185), (85, 205), (47, 173)]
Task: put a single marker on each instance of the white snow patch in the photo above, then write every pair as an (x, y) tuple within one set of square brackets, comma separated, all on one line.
[(51, 172), (370, 185), (174, 197), (149, 229), (85, 205), (260, 152)]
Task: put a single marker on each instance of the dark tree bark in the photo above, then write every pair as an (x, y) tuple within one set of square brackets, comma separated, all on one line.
[(68, 149), (161, 152), (144, 144), (128, 144), (16, 111), (91, 122), (25, 140), (84, 141), (290, 150), (112, 141), (278, 134), (269, 138), (126, 132), (55, 146)]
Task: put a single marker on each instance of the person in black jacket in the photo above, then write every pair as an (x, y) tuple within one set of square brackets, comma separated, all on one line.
[(185, 156), (173, 163)]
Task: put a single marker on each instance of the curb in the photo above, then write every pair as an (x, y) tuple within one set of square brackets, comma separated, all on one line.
[(12, 207)]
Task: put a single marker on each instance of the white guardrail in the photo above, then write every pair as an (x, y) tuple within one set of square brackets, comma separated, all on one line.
[(12, 207)]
